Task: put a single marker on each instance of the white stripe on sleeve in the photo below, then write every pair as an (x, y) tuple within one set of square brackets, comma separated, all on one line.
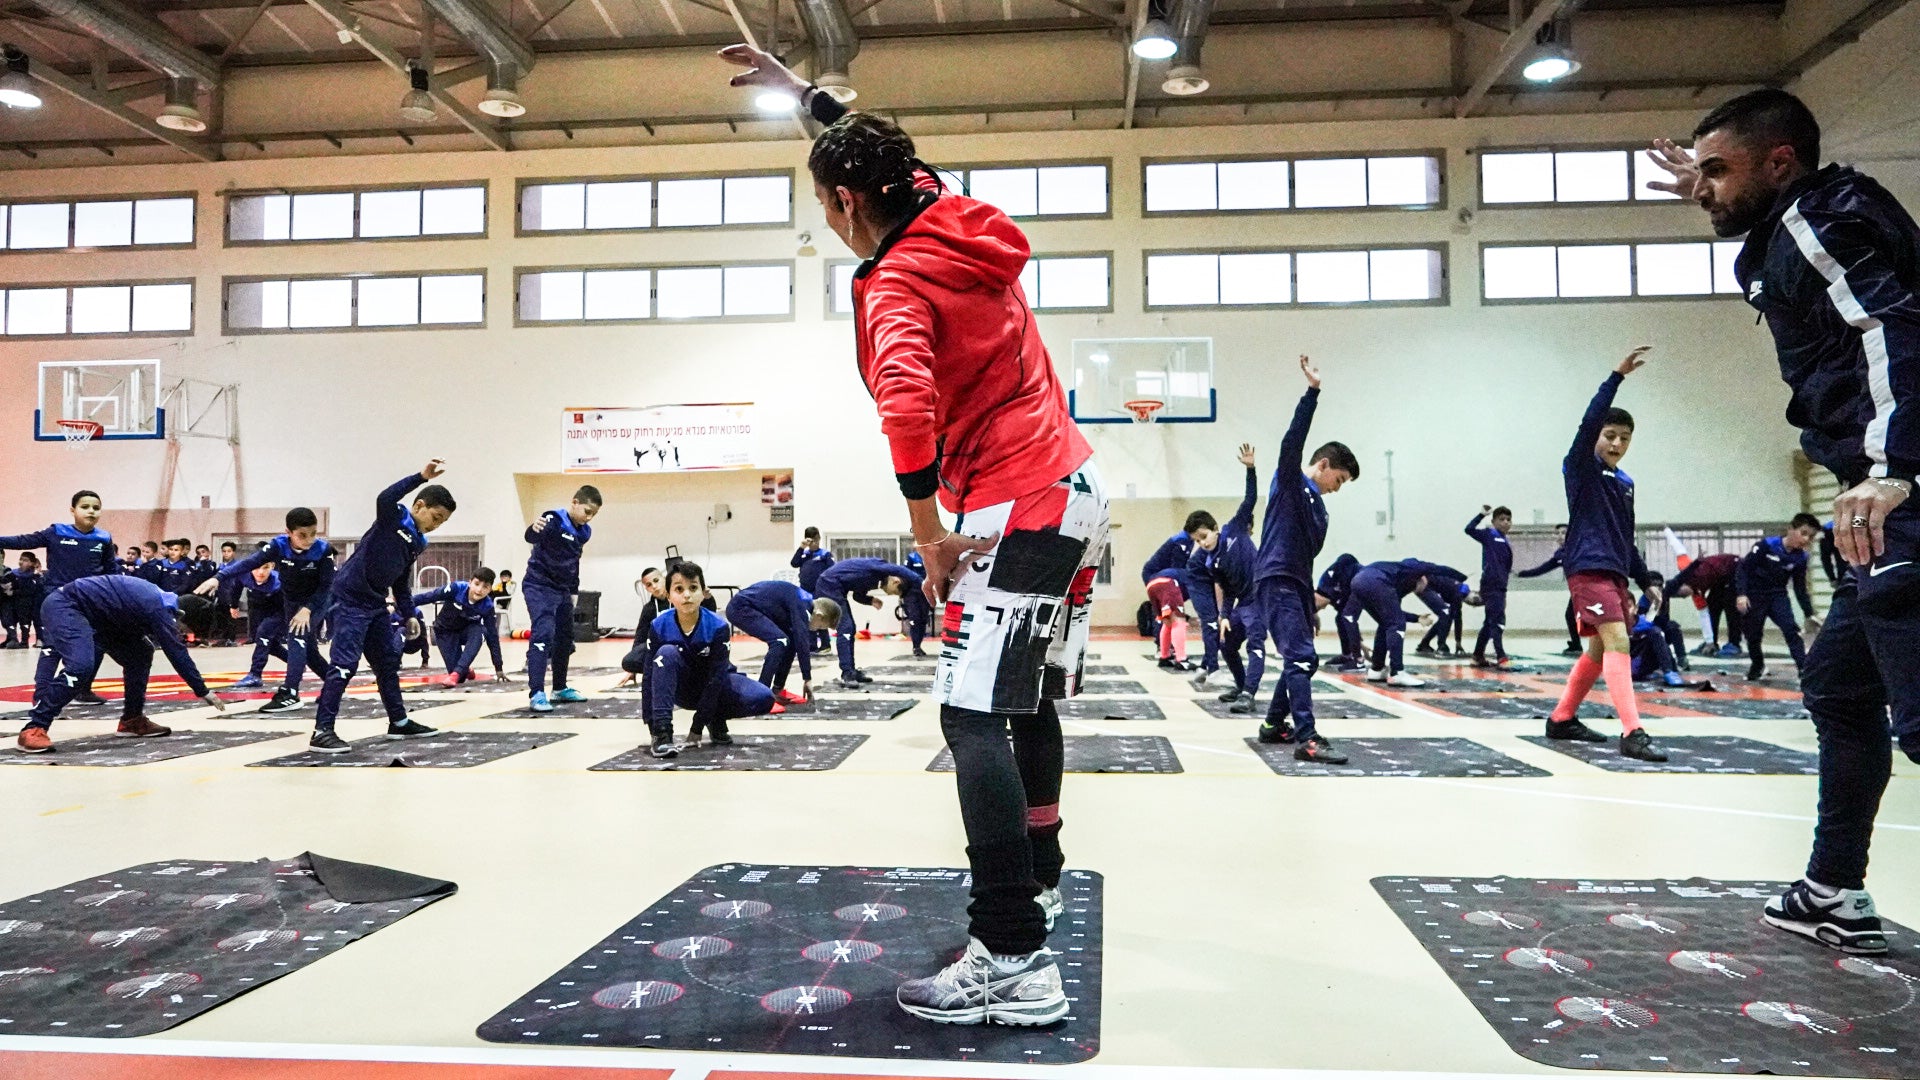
[(1872, 334)]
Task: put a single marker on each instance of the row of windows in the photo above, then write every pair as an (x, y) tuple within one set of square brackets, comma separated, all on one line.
[(675, 292), (1400, 181), (59, 310), (341, 302), (1586, 271)]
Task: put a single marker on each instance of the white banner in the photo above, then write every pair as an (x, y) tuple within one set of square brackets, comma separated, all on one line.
[(664, 438)]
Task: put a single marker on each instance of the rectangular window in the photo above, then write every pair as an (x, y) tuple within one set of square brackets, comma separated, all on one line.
[(1069, 283), (409, 213), (1036, 191), (666, 203), (840, 288), (631, 293), (1405, 181), (1538, 177), (1608, 271), (360, 302), (1276, 278), (99, 308), (98, 223)]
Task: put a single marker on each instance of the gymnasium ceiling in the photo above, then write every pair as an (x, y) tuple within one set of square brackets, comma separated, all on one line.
[(289, 79)]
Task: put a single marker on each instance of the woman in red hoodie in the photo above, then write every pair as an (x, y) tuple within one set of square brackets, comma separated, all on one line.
[(974, 414)]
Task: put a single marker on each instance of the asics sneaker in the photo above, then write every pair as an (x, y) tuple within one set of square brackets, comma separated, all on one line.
[(1052, 905), (980, 988)]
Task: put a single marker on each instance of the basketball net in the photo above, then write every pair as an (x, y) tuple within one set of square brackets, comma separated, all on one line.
[(80, 431), (1144, 410)]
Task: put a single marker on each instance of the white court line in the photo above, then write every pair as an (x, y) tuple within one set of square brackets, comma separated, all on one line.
[(1642, 802)]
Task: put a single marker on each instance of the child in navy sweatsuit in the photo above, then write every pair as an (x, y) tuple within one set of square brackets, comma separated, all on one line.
[(854, 580), (1229, 565), (784, 616), (21, 591), (1377, 590), (381, 566), (1760, 590), (81, 549), (1489, 529), (266, 618), (811, 558), (553, 576), (305, 563), (687, 663), (466, 619)]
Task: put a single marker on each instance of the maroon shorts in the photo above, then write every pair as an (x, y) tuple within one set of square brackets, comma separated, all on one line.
[(1166, 597), (1599, 597)]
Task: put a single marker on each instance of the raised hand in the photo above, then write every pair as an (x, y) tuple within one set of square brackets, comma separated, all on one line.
[(434, 469), (1312, 373), (1633, 361), (1246, 455), (207, 587), (1678, 164), (763, 69)]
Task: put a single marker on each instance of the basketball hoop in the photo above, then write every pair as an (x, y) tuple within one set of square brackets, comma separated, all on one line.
[(80, 431), (1144, 410)]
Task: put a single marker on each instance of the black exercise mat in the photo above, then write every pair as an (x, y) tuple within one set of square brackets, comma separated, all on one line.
[(1719, 754), (803, 960), (844, 708), (163, 706), (503, 686), (1103, 754), (620, 707), (1475, 686), (916, 669), (143, 949), (1323, 709), (1108, 709), (447, 750), (1663, 976), (371, 708), (880, 686), (111, 751), (1112, 687), (1511, 708), (749, 753), (903, 658), (573, 673), (1745, 708), (1399, 757)]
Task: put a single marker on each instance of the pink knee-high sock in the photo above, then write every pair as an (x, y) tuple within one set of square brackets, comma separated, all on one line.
[(1586, 672), (1166, 639), (1619, 670), (1179, 628)]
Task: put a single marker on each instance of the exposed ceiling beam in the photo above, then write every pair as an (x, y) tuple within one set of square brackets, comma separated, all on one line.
[(1136, 19), (746, 33), (1104, 12), (86, 94), (246, 31), (1518, 42), (1840, 37), (344, 18)]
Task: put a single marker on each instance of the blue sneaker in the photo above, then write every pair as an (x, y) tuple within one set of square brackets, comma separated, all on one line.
[(539, 703), (567, 695), (1674, 680), (1729, 651), (251, 682)]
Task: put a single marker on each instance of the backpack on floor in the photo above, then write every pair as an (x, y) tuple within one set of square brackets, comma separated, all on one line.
[(1149, 626)]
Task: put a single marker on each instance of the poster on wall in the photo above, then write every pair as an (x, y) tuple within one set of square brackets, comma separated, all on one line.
[(659, 438), (776, 489)]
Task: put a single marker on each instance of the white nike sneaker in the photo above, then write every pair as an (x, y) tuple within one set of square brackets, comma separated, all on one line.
[(1401, 678), (1377, 675)]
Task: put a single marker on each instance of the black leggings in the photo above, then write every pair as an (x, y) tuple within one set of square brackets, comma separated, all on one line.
[(1009, 803)]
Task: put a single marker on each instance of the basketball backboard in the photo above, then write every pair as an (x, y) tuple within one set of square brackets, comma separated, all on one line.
[(122, 396), (1109, 372)]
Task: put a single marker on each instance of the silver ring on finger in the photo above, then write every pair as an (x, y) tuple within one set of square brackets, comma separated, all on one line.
[(1858, 523)]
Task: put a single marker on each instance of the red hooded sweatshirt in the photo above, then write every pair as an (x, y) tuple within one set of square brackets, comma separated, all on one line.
[(955, 363)]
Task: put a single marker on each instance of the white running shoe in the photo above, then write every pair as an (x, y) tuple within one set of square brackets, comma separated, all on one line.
[(1842, 919), (1401, 678), (979, 989), (1377, 675)]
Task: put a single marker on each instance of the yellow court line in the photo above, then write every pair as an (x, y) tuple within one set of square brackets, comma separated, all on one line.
[(62, 810)]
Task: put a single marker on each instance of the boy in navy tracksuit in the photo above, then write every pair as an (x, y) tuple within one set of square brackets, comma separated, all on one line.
[(1489, 529), (266, 618), (381, 566), (1202, 533), (851, 580), (305, 563), (687, 663), (121, 617), (1177, 550), (915, 620), (1600, 557), (21, 591), (553, 576), (1229, 564), (812, 560), (1377, 590), (1760, 590), (784, 616), (466, 619), (1290, 539), (1334, 591), (81, 549)]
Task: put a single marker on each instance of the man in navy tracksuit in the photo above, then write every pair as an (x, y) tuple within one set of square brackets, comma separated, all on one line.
[(466, 619), (687, 663), (1290, 539), (1377, 590), (266, 618), (784, 616), (357, 615), (305, 563), (1760, 584), (553, 576), (82, 549), (851, 580), (121, 617), (1489, 529), (811, 558), (1333, 591), (1832, 263)]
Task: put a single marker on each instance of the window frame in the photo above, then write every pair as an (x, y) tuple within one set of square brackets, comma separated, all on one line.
[(1632, 150), (653, 213), (226, 216), (75, 200), (654, 268), (1632, 244), (193, 300), (1040, 163), (1439, 154), (1038, 257), (230, 280), (1445, 299), (826, 269)]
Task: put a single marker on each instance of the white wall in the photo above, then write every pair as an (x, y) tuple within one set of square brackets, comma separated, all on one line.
[(1476, 403)]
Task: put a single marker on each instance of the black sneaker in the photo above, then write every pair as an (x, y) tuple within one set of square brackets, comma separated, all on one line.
[(861, 677), (1572, 650), (1639, 745), (1756, 673), (410, 729), (1281, 733), (284, 700), (1242, 705), (326, 742), (1231, 695), (1425, 650), (87, 697), (720, 738), (663, 746), (1319, 750), (849, 682), (1573, 730), (1843, 921)]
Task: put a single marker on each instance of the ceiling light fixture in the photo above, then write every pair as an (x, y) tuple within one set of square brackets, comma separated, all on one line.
[(1553, 57), (503, 94), (1155, 41), (416, 106), (837, 86), (180, 113), (16, 86), (775, 101)]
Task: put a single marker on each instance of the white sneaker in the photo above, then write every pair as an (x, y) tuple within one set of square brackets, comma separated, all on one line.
[(1377, 675), (980, 989), (1401, 678), (1052, 905), (1220, 678)]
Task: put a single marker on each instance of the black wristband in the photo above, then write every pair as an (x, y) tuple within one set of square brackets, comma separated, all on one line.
[(920, 483)]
